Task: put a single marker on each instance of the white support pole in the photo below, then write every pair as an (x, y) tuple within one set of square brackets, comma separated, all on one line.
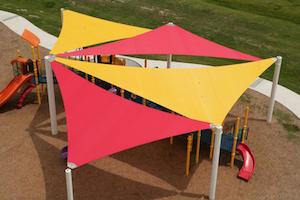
[(69, 183), (62, 16), (215, 162), (169, 60), (51, 95), (274, 88)]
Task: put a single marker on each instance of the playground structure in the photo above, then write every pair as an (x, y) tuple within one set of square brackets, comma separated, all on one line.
[(233, 140), (31, 71), (34, 42), (25, 71), (15, 84), (22, 77), (110, 74)]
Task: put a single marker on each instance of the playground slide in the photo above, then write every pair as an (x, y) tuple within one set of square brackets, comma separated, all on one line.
[(248, 168), (13, 87)]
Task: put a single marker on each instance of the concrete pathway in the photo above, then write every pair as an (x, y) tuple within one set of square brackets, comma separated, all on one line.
[(17, 24), (286, 97)]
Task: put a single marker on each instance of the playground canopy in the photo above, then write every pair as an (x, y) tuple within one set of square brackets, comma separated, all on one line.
[(167, 39), (205, 94), (80, 30), (101, 123)]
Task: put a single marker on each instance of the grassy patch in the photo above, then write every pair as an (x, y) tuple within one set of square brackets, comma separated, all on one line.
[(280, 9), (260, 28), (286, 120), (245, 98)]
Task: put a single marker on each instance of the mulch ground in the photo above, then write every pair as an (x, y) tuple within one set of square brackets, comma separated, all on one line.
[(31, 167)]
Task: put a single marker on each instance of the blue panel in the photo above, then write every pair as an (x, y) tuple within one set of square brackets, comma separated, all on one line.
[(227, 139)]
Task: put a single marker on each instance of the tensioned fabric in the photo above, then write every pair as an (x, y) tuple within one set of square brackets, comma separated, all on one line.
[(100, 123), (205, 94), (167, 39), (79, 30)]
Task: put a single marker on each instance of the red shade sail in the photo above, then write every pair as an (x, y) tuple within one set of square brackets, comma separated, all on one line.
[(100, 123), (167, 39)]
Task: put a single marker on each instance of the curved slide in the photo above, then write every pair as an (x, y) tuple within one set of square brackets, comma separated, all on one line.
[(248, 168), (13, 86)]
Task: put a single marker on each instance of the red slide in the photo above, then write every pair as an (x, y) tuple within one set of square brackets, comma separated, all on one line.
[(13, 87), (248, 168)]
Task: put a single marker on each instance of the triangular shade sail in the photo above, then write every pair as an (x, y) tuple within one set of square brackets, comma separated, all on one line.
[(100, 123), (167, 39), (205, 94), (80, 30)]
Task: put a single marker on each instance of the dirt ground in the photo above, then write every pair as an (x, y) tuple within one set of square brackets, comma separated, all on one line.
[(31, 167)]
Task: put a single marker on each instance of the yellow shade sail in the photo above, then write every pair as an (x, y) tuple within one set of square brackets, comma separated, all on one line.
[(81, 30), (205, 94)]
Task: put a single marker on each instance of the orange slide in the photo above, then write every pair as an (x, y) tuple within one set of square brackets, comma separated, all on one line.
[(13, 87)]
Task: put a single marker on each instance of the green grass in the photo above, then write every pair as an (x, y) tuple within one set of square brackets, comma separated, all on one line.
[(287, 122), (261, 28)]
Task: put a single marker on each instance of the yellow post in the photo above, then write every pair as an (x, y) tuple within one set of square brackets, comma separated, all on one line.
[(18, 52), (188, 154), (122, 93), (246, 116), (198, 146), (245, 124), (132, 96), (39, 57), (235, 137), (38, 94), (39, 66), (171, 140), (144, 101), (212, 140)]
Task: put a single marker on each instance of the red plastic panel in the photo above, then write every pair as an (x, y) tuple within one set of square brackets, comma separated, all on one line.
[(248, 167)]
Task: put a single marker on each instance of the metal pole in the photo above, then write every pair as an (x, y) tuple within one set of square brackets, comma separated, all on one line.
[(69, 183), (62, 15), (215, 162), (235, 137), (211, 147), (51, 95), (274, 88), (245, 124), (169, 60)]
